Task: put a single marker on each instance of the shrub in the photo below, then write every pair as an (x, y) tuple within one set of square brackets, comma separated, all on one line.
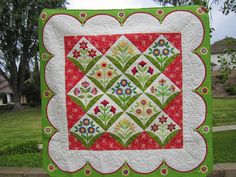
[(231, 90), (28, 147)]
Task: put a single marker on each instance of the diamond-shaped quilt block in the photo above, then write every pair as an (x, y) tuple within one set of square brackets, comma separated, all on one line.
[(85, 93), (125, 130), (142, 72), (104, 74), (163, 129), (87, 130), (143, 111), (124, 92), (84, 54), (162, 91), (161, 53), (105, 112), (123, 53)]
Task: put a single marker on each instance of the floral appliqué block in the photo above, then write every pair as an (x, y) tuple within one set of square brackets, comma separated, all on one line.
[(124, 94)]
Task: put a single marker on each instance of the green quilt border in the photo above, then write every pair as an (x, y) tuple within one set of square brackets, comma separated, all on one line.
[(204, 91)]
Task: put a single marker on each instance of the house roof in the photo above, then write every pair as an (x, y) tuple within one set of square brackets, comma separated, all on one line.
[(4, 85), (223, 45)]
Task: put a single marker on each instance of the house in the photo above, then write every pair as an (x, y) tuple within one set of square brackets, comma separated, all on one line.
[(6, 93), (219, 48)]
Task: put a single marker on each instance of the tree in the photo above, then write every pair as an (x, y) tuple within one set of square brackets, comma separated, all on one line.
[(18, 39), (229, 6)]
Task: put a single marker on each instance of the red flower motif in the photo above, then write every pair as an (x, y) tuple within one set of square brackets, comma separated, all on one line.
[(134, 70), (171, 127), (172, 88), (153, 89), (94, 91), (113, 109), (154, 127), (76, 91), (96, 110), (150, 70), (104, 102), (83, 45), (85, 84), (162, 119), (76, 54), (92, 53), (142, 63), (162, 82)]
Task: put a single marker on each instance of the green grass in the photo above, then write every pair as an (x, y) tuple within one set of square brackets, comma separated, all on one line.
[(224, 111), (224, 146), (19, 127), (22, 160)]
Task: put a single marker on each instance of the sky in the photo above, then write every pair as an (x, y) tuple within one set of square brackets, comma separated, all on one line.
[(224, 25)]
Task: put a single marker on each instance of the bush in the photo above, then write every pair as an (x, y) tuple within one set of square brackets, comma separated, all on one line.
[(222, 78), (28, 147), (231, 90)]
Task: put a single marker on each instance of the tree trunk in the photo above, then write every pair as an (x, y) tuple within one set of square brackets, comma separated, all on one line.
[(17, 100)]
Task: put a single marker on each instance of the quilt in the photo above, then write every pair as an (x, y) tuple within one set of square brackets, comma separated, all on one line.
[(126, 92)]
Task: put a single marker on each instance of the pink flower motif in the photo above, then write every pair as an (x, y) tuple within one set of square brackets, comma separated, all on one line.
[(83, 45), (104, 102), (85, 84), (94, 91), (172, 88), (150, 70), (96, 110), (113, 109), (92, 53), (153, 89), (76, 54), (171, 127), (76, 91), (142, 63), (134, 70), (162, 82), (162, 119)]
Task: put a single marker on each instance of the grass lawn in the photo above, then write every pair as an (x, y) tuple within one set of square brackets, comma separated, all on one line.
[(224, 111), (19, 127), (224, 146)]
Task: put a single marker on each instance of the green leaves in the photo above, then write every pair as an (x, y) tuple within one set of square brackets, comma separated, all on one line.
[(128, 142), (131, 61), (110, 122), (135, 80), (139, 122), (89, 66), (80, 103), (111, 82), (167, 139), (77, 63), (119, 65), (163, 63)]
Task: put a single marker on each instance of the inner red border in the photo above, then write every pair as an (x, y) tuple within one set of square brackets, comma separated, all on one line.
[(173, 71)]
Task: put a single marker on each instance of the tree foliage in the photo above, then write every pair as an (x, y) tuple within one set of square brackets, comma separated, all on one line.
[(18, 39), (229, 6)]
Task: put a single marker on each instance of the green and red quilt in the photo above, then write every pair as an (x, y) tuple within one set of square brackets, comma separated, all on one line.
[(126, 92)]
